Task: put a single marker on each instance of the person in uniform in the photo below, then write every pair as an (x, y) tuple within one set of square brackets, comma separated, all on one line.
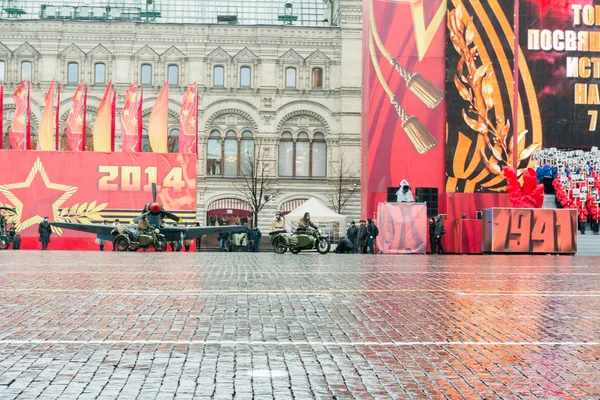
[(101, 242), (45, 230), (439, 233), (363, 236), (143, 225), (278, 223), (256, 235), (352, 235), (305, 222), (198, 241)]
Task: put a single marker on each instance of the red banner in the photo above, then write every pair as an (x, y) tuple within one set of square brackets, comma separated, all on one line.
[(103, 186), (403, 109), (129, 121), (76, 121), (18, 127), (526, 230), (189, 122)]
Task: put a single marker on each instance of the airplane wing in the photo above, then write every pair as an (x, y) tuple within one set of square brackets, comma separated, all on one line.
[(103, 231), (174, 233)]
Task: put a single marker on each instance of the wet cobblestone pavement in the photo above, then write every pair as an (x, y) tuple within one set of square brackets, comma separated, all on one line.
[(209, 325)]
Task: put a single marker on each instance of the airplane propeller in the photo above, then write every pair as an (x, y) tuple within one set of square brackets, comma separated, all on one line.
[(156, 208)]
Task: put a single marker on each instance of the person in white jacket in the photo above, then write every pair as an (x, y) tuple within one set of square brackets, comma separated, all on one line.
[(404, 195)]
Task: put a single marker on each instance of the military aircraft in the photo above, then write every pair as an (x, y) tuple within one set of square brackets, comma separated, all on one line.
[(156, 214)]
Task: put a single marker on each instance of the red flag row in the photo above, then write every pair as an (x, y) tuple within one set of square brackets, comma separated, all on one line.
[(104, 127)]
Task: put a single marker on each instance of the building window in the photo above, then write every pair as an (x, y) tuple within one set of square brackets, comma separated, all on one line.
[(100, 74), (26, 69), (146, 142), (230, 157), (290, 78), (319, 156), (2, 74), (317, 78), (146, 74), (213, 159), (72, 73), (219, 76), (302, 158), (245, 77), (173, 143), (173, 75)]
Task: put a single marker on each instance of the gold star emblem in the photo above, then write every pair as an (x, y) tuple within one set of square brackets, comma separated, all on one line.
[(423, 35), (38, 168), (190, 96), (125, 112), (185, 112)]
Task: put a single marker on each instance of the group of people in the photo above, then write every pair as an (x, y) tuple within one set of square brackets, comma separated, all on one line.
[(574, 179), (244, 241), (359, 239)]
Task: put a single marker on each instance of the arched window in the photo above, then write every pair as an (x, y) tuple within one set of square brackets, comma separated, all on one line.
[(286, 155), (319, 156), (317, 78), (302, 157), (290, 78), (173, 75), (146, 141), (219, 76), (173, 143), (2, 71), (72, 73), (146, 74), (245, 77), (213, 159), (26, 68), (230, 156), (100, 74)]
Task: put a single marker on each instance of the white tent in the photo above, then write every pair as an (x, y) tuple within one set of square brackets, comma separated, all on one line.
[(320, 215)]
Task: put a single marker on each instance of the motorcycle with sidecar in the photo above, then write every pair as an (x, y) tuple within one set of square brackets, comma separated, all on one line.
[(300, 240)]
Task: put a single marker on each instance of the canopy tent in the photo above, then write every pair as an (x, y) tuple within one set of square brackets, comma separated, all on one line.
[(320, 214)]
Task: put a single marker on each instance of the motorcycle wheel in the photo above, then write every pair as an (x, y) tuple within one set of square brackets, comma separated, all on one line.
[(121, 243), (323, 246), (4, 243), (161, 244), (279, 247), (295, 251)]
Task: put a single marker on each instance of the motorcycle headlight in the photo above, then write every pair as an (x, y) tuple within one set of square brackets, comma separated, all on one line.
[(320, 231), (157, 231)]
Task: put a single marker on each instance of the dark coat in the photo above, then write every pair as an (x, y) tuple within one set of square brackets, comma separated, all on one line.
[(44, 230), (439, 228), (363, 235), (352, 232)]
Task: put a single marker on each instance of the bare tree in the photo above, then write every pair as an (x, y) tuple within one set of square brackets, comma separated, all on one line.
[(344, 183), (257, 183)]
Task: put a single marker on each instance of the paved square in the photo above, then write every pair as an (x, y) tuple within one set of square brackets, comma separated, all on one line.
[(221, 325)]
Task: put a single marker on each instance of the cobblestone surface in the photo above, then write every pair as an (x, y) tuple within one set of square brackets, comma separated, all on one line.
[(105, 325)]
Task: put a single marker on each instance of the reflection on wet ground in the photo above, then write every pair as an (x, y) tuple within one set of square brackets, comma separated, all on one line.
[(306, 326)]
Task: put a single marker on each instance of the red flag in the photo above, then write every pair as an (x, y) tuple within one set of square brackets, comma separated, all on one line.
[(157, 127), (57, 146), (18, 127), (1, 114), (76, 120), (46, 129), (188, 121), (28, 130), (130, 121), (84, 142), (113, 121), (102, 126), (140, 122)]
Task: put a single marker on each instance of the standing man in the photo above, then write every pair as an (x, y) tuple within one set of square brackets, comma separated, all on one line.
[(352, 235), (439, 233), (372, 232), (256, 235), (115, 224), (102, 242), (45, 230), (432, 235), (188, 242), (223, 236), (198, 241), (363, 236)]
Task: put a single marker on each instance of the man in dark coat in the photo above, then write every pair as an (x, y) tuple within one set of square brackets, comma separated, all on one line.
[(256, 235), (439, 233), (45, 230), (432, 234), (363, 236), (372, 232), (344, 246), (352, 235)]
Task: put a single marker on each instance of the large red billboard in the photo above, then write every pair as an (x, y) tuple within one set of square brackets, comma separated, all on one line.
[(90, 187), (403, 98)]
